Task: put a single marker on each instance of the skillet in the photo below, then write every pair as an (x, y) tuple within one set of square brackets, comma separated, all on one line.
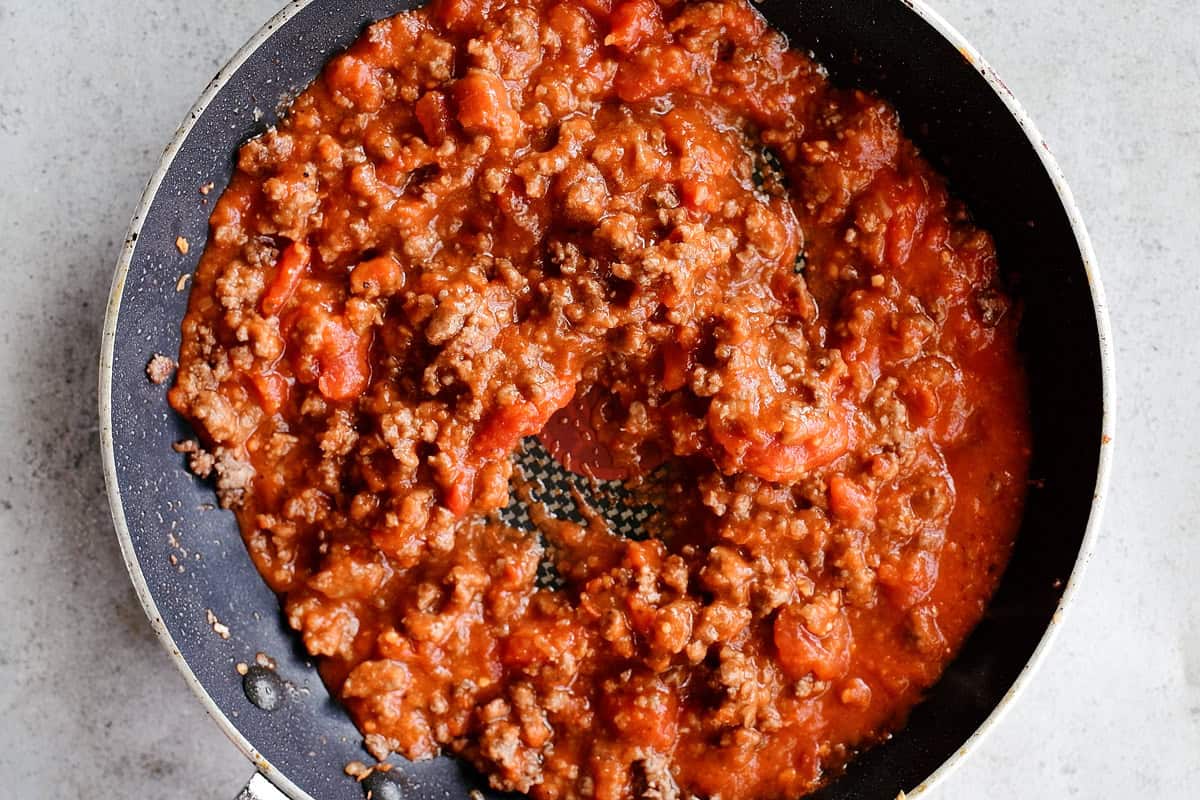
[(193, 575)]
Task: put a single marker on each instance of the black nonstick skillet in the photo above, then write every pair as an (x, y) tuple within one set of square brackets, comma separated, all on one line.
[(213, 612)]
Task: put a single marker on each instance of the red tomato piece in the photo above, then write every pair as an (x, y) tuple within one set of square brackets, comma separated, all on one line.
[(344, 360), (850, 502), (272, 389), (826, 656), (355, 79), (378, 277), (289, 271), (434, 116), (484, 106), (911, 580), (645, 711), (634, 22), (507, 425), (764, 454), (651, 72)]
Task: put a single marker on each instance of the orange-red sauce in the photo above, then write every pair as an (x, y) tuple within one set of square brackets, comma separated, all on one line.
[(491, 220)]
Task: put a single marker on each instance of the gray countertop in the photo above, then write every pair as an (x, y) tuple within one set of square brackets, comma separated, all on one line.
[(90, 92)]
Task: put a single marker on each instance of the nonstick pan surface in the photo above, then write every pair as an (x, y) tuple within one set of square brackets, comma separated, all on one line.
[(187, 560)]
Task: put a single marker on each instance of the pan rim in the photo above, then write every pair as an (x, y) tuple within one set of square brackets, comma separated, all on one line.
[(107, 448), (945, 30)]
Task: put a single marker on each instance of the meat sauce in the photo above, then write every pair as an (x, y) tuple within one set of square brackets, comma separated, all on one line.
[(651, 220)]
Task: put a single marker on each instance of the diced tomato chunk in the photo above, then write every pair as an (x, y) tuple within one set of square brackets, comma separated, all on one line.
[(850, 502), (344, 358), (824, 655), (653, 72), (354, 79), (504, 427), (910, 208), (484, 106), (767, 456), (377, 277), (633, 22), (911, 580), (272, 389), (507, 425), (434, 116), (696, 195), (289, 271), (645, 712), (460, 491), (497, 435)]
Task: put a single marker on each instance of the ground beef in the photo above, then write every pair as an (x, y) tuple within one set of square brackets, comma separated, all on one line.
[(200, 461), (234, 477), (160, 369), (653, 780), (651, 235)]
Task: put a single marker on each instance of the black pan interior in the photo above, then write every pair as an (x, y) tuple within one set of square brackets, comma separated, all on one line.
[(881, 45)]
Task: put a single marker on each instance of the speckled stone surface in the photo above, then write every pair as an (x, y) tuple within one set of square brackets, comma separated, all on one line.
[(90, 92)]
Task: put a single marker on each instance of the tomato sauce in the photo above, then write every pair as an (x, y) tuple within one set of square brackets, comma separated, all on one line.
[(650, 233)]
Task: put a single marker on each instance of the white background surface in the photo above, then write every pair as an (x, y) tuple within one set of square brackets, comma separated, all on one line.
[(90, 92)]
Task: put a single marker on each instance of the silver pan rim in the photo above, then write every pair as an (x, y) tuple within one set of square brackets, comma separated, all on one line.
[(1107, 391)]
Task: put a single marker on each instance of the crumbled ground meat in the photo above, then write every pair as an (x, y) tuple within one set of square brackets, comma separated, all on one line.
[(234, 475), (658, 225), (200, 461), (653, 780), (514, 766), (377, 746), (160, 369), (234, 478)]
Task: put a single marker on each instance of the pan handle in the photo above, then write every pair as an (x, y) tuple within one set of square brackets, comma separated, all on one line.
[(259, 788)]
